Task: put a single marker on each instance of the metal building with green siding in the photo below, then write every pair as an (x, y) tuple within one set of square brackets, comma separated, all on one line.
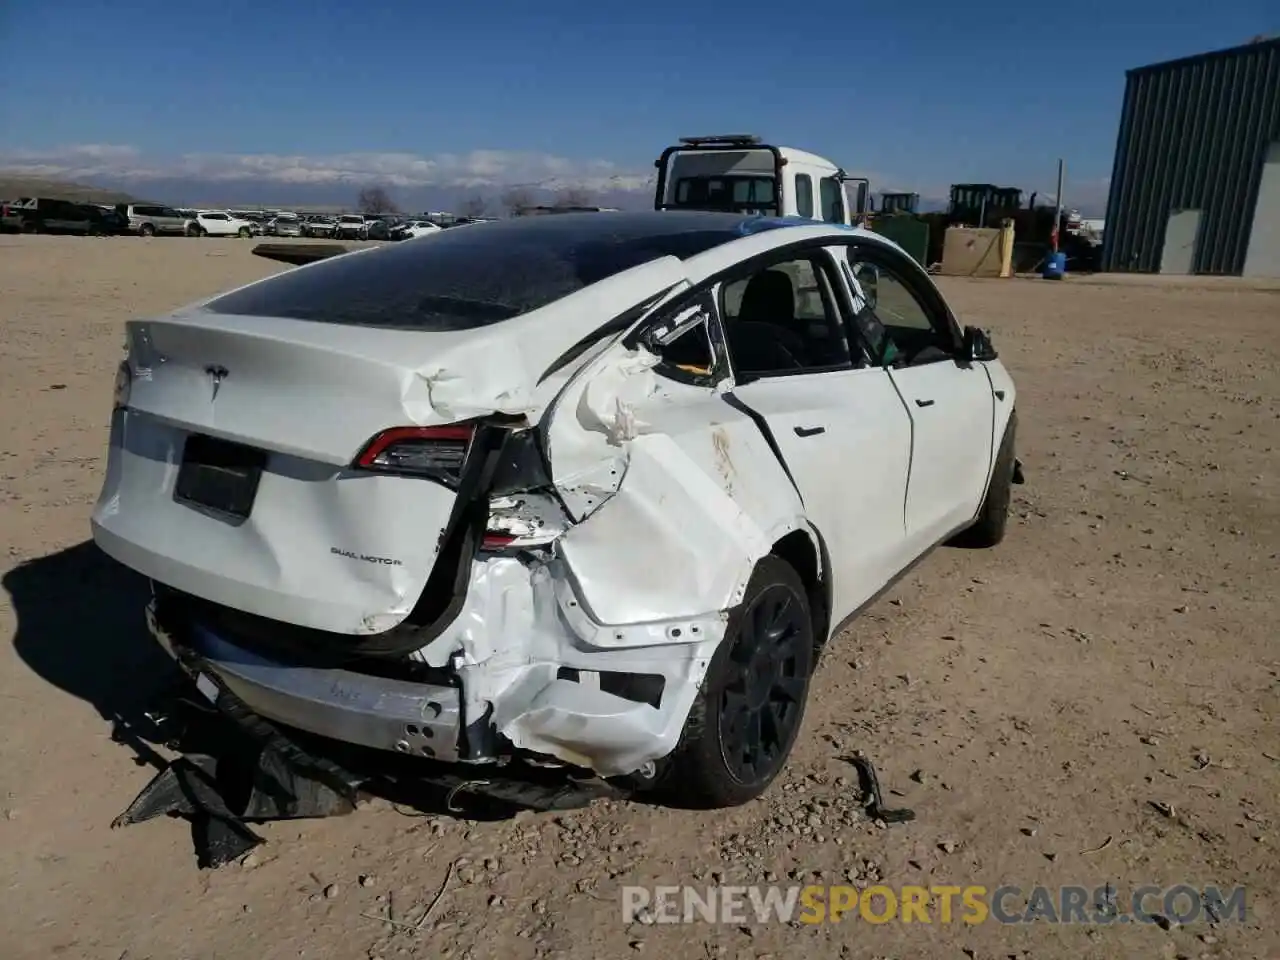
[(1195, 187)]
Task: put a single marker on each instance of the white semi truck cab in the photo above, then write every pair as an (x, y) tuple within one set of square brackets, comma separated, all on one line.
[(742, 174)]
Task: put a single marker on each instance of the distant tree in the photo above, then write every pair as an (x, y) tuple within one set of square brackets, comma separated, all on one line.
[(517, 200), (375, 200), (475, 207), (573, 197)]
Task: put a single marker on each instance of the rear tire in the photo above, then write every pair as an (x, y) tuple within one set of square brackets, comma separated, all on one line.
[(989, 529), (749, 709), (146, 230)]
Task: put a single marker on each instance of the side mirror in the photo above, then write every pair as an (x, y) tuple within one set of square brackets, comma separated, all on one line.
[(977, 345), (868, 277)]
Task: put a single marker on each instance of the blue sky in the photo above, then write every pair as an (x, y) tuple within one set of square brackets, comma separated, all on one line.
[(916, 94)]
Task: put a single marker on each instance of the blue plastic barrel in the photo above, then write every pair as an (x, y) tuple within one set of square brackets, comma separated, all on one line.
[(1055, 267)]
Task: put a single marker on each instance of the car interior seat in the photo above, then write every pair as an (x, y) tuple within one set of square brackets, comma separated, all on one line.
[(763, 336)]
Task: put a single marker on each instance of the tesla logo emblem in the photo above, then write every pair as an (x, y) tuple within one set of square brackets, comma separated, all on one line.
[(217, 374)]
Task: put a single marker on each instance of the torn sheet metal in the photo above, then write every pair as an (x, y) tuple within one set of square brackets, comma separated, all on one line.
[(529, 658), (672, 517), (592, 421), (669, 542), (528, 518)]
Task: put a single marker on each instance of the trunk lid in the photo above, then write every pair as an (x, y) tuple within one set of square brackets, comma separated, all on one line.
[(232, 472)]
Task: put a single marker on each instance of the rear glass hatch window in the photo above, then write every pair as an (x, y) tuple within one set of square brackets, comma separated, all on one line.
[(472, 278)]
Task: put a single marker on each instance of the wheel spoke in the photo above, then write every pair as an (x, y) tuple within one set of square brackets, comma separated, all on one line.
[(770, 728), (763, 689), (754, 736), (790, 689), (734, 723), (735, 698)]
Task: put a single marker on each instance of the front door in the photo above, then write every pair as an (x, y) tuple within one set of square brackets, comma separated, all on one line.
[(949, 400)]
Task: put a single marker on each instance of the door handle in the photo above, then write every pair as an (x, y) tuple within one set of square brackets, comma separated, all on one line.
[(809, 431), (924, 403)]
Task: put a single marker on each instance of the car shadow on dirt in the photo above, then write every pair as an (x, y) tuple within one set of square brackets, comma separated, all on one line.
[(81, 628)]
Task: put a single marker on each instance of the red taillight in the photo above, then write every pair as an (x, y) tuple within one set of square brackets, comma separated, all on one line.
[(435, 452), (496, 541)]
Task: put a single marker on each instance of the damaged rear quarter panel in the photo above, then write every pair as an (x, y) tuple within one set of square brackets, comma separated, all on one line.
[(696, 498)]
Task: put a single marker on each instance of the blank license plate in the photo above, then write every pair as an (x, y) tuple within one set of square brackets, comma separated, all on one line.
[(219, 475)]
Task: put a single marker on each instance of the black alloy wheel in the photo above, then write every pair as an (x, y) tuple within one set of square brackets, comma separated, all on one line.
[(763, 698), (750, 705)]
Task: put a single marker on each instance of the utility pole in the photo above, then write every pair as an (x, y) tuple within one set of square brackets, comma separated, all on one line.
[(1057, 219)]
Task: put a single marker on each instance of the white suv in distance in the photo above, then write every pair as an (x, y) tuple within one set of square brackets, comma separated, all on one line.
[(592, 490), (351, 226), (220, 223)]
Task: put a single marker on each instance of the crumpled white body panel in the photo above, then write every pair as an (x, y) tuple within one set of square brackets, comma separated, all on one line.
[(677, 497), (522, 623)]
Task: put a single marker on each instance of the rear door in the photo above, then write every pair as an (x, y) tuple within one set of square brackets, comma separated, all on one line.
[(948, 398), (837, 422)]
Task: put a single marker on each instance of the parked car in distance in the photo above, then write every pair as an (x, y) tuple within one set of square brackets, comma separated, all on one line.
[(152, 220), (410, 229), (284, 225), (351, 226), (659, 460), (379, 228), (256, 219), (318, 225), (48, 215), (220, 223), (106, 221)]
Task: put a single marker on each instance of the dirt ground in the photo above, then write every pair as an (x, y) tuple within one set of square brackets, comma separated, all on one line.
[(1095, 701)]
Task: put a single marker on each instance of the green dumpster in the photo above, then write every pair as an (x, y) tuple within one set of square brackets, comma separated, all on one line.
[(908, 232)]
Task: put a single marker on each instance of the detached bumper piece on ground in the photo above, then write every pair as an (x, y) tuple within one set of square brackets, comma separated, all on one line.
[(236, 769)]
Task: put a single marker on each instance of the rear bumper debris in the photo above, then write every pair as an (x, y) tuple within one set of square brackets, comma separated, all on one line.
[(236, 769), (417, 718), (533, 673)]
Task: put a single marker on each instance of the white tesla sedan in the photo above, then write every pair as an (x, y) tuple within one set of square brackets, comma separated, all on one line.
[(593, 489)]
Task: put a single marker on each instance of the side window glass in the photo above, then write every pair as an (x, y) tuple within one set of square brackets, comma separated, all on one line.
[(783, 319), (832, 200), (683, 340), (901, 326), (804, 195)]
